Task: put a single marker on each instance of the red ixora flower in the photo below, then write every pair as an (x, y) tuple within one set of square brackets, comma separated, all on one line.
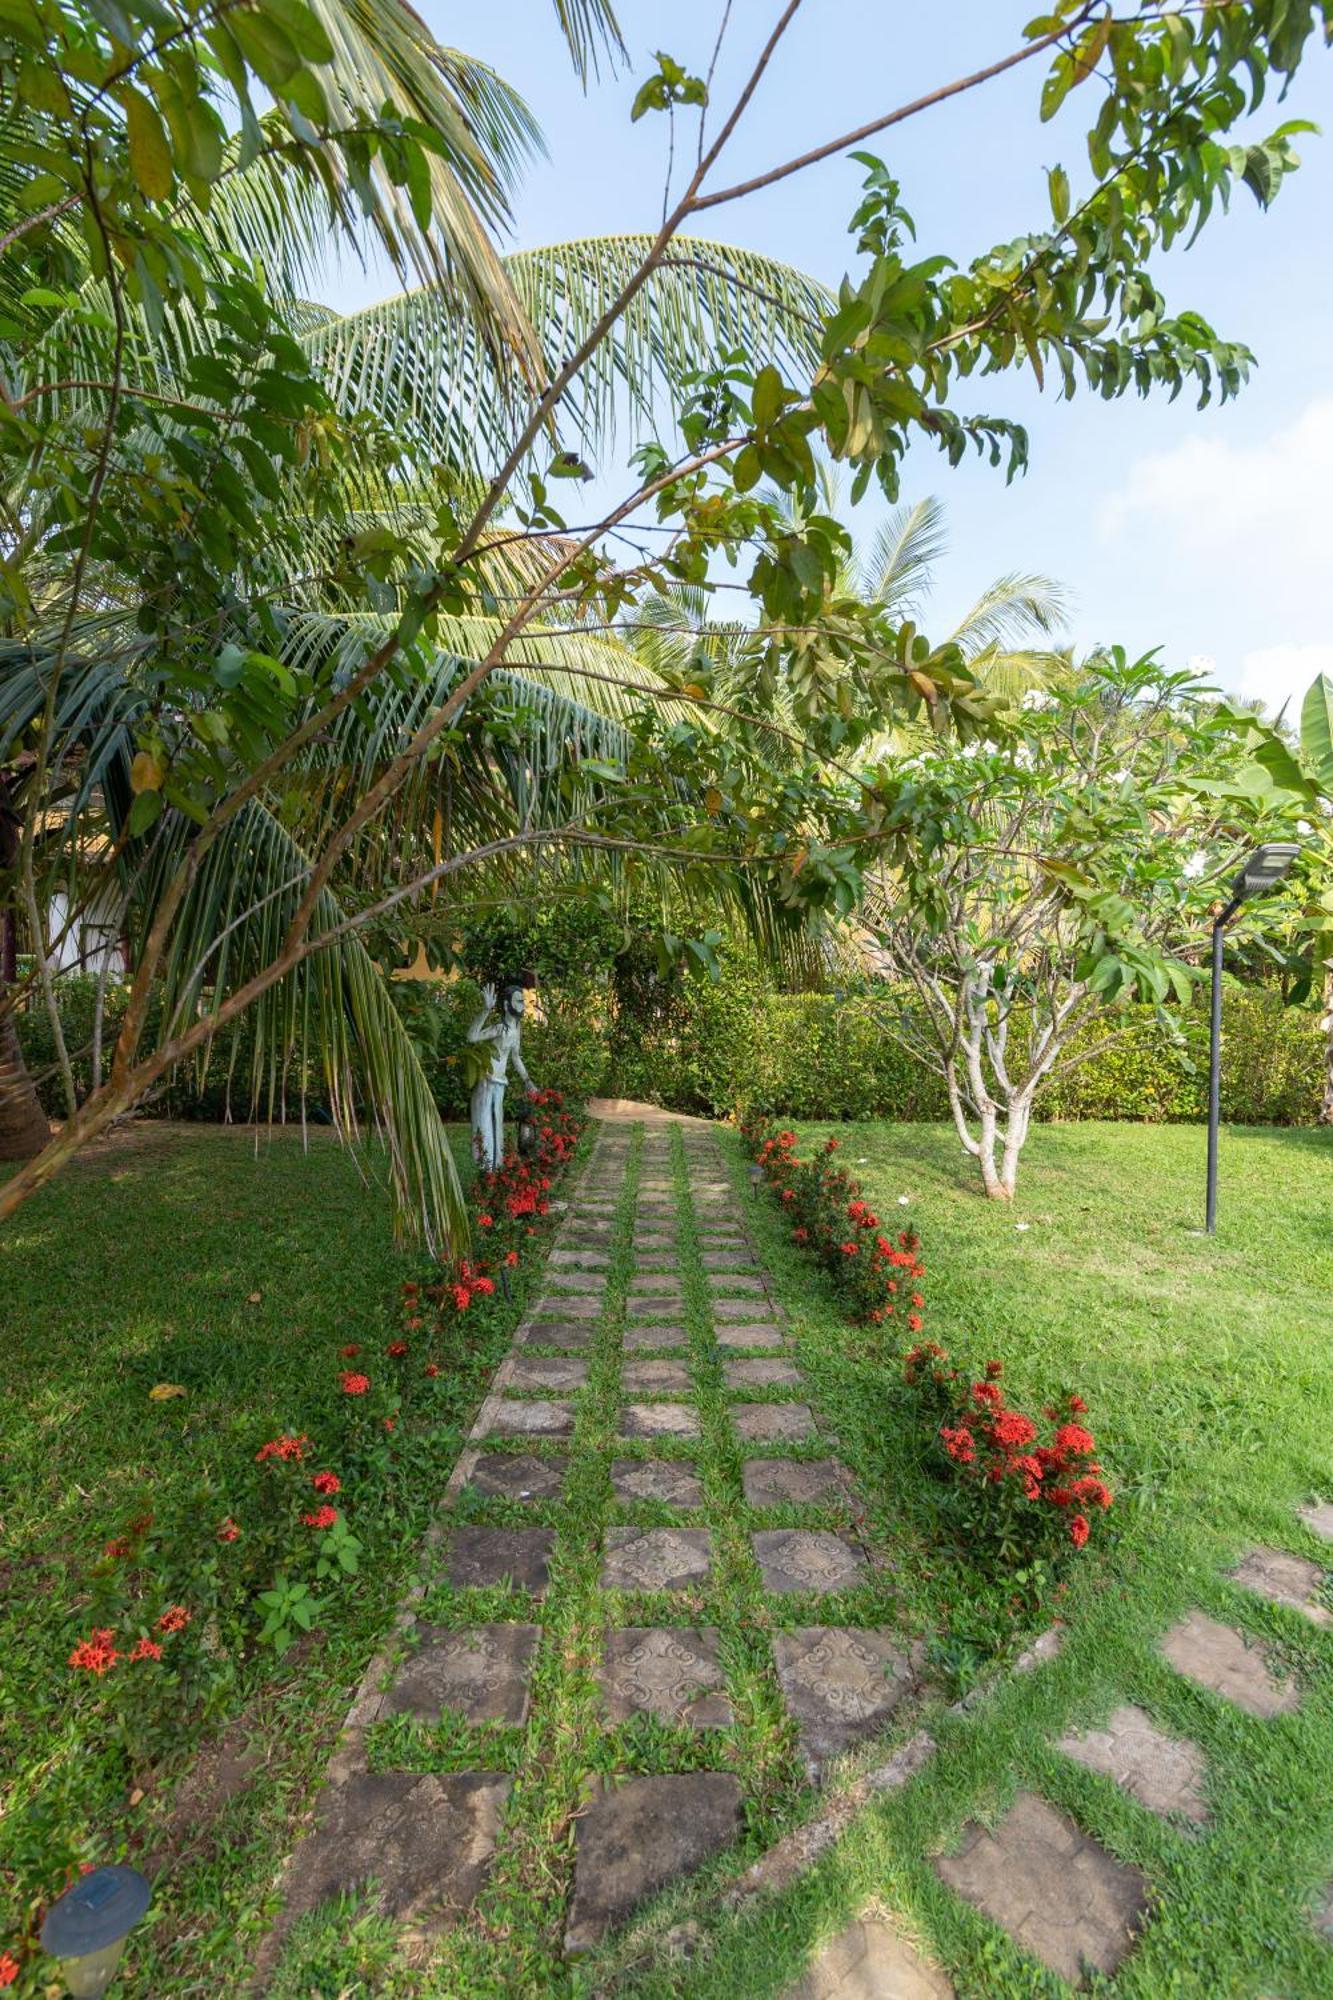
[(994, 1369), (323, 1517), (97, 1653), (284, 1447), (174, 1619), (1013, 1430), (228, 1531), (1078, 1530), (146, 1649), (351, 1351), (511, 1258), (485, 1222), (326, 1483), (483, 1285), (432, 1369), (9, 1968), (354, 1385), (462, 1297), (397, 1348), (1073, 1438), (915, 1322)]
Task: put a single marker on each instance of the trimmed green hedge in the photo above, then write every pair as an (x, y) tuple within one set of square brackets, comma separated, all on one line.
[(694, 1046)]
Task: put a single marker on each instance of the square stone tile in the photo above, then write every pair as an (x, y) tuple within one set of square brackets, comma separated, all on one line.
[(665, 1480), (654, 1558), (565, 1306), (642, 1311), (655, 1378), (532, 1418), (655, 1290), (577, 1285), (646, 1420), (517, 1475), (427, 1842), (794, 1482), (769, 1374), (479, 1557), (718, 1261), (556, 1333), (648, 1338), (1286, 1579), (548, 1371), (840, 1686), (635, 1836), (1164, 1773), (670, 1671), (1220, 1658), (733, 1283), (806, 1559), (1323, 1913), (757, 1333), (1318, 1517), (868, 1960), (569, 1259), (1059, 1894), (743, 1310), (480, 1672), (773, 1420)]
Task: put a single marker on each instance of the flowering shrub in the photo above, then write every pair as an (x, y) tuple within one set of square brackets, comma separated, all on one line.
[(880, 1277), (1021, 1497)]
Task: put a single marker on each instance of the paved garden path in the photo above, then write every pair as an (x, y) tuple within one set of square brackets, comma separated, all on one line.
[(646, 1605)]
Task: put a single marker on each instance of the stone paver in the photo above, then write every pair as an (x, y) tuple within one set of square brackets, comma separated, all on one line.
[(773, 1420), (1164, 1773), (479, 1671), (1318, 1517), (655, 1378), (588, 1260), (654, 1558), (841, 1685), (1286, 1579), (532, 1419), (1057, 1892), (646, 1420), (559, 1306), (548, 1371), (727, 1260), (664, 1480), (635, 1836), (518, 1475), (736, 1309), (868, 1960), (794, 1482), (426, 1841), (556, 1333), (479, 1557), (758, 1333), (773, 1374), (806, 1559), (670, 1671), (1220, 1658), (644, 1339), (1323, 1913)]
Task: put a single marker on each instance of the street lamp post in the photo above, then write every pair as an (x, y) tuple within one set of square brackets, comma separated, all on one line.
[(1264, 869)]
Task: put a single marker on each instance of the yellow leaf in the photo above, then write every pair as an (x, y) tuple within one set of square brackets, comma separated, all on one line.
[(253, 1298), (165, 1391), (712, 800), (150, 152), (136, 1796), (146, 773), (694, 691)]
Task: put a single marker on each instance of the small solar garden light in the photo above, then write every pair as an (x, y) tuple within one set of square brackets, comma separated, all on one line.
[(87, 1927)]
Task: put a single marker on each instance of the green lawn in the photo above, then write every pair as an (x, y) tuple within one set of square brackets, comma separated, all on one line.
[(1206, 1365), (182, 1257), (1207, 1368)]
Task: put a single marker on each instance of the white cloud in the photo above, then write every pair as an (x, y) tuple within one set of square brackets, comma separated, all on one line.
[(1239, 533)]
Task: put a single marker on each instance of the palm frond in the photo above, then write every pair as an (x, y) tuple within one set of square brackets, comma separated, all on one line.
[(899, 566), (1012, 610)]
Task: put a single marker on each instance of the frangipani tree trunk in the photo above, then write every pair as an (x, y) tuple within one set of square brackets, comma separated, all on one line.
[(23, 1127)]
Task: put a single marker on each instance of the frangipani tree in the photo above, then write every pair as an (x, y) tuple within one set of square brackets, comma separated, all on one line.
[(1059, 876)]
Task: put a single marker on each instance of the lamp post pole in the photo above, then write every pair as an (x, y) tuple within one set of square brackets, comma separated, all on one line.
[(1265, 867)]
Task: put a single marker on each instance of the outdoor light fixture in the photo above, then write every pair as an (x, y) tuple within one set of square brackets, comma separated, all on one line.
[(756, 1178), (1264, 870), (87, 1928)]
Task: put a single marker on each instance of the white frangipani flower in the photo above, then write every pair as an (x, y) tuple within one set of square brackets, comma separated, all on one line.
[(1195, 866)]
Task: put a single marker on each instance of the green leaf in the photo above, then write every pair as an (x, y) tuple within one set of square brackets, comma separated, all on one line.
[(1059, 186), (145, 812), (767, 399), (1317, 730), (150, 150)]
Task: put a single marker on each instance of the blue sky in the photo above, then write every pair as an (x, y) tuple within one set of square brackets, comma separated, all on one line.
[(1206, 533)]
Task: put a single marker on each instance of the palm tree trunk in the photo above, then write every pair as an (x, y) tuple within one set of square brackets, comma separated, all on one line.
[(23, 1127)]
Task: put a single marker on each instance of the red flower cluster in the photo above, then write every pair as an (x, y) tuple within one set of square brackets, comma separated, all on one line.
[(396, 1349), (290, 1448), (174, 1619), (146, 1649), (323, 1517), (1017, 1491), (823, 1199), (353, 1385), (326, 1483), (9, 1969), (97, 1653), (228, 1531)]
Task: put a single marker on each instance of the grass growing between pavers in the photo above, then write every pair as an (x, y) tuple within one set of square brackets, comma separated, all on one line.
[(1206, 1367), (181, 1257)]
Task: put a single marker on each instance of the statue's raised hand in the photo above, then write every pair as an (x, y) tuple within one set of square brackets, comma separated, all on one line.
[(488, 997)]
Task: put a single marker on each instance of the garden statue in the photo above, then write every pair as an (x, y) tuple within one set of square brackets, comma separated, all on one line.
[(488, 1092)]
